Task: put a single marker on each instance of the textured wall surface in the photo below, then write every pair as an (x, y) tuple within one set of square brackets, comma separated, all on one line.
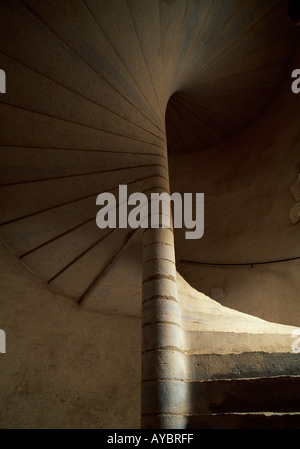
[(247, 183), (103, 93), (64, 367)]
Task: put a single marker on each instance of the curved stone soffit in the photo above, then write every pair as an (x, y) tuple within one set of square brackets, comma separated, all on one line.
[(88, 84)]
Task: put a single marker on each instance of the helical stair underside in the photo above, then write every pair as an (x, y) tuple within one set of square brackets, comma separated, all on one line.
[(102, 93)]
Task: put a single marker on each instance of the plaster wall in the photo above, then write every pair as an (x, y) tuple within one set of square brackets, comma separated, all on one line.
[(65, 366), (246, 182)]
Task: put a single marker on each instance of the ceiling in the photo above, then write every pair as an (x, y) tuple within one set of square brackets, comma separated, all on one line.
[(229, 68), (88, 84)]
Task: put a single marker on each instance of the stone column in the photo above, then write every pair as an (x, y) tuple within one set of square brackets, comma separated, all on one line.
[(163, 369)]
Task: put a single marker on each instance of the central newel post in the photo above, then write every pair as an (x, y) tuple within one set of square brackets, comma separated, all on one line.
[(164, 391)]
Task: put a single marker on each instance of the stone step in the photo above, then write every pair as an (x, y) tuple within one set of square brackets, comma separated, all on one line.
[(260, 420), (274, 394), (244, 365)]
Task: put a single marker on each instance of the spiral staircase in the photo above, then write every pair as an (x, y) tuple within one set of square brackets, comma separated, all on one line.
[(102, 93)]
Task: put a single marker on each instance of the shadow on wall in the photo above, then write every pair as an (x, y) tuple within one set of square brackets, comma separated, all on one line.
[(247, 183), (294, 12)]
